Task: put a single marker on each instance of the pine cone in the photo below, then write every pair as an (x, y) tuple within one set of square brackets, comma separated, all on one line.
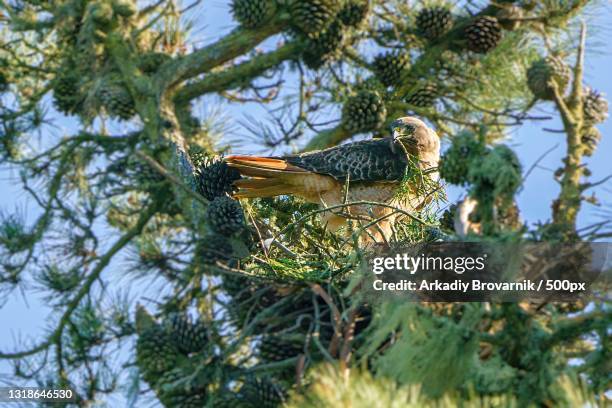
[(187, 336), (312, 17), (155, 352), (545, 70), (354, 12), (215, 179), (595, 106), (215, 249), (236, 286), (248, 297), (483, 34), (423, 96), (261, 393), (144, 175), (187, 401), (151, 61), (251, 13), (198, 156), (324, 48), (390, 67), (433, 22), (364, 112), (276, 348), (225, 216), (67, 97), (455, 163), (117, 101)]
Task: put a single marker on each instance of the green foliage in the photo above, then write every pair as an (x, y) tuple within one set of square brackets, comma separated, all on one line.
[(58, 280), (213, 249), (14, 235), (455, 163), (430, 350), (510, 16), (504, 74), (151, 61), (497, 176), (358, 388)]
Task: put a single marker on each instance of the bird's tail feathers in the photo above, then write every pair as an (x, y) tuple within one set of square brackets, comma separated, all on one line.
[(261, 187), (254, 166), (268, 177)]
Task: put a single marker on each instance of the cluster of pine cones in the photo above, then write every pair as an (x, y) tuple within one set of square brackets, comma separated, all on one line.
[(178, 358), (224, 215), (552, 71), (323, 25), (82, 82), (364, 110)]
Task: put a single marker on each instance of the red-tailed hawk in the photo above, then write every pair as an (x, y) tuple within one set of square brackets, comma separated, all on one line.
[(369, 170)]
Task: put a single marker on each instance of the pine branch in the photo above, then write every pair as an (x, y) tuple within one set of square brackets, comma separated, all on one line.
[(575, 98), (227, 48), (86, 287), (240, 74), (568, 203), (171, 177)]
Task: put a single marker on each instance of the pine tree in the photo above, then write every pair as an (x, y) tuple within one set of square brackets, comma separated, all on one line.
[(258, 303)]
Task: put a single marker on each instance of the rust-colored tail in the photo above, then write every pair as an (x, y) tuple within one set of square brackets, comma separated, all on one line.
[(268, 177)]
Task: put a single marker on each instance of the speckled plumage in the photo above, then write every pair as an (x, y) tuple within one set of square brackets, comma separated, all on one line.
[(368, 160)]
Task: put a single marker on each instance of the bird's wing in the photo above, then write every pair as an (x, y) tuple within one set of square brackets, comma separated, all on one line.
[(365, 161), (268, 177)]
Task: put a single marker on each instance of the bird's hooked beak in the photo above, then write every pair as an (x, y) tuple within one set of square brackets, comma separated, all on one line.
[(402, 133)]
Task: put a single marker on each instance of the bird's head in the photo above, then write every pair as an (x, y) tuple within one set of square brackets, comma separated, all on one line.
[(414, 136)]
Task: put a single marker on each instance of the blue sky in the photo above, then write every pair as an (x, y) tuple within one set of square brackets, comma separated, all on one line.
[(26, 317)]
